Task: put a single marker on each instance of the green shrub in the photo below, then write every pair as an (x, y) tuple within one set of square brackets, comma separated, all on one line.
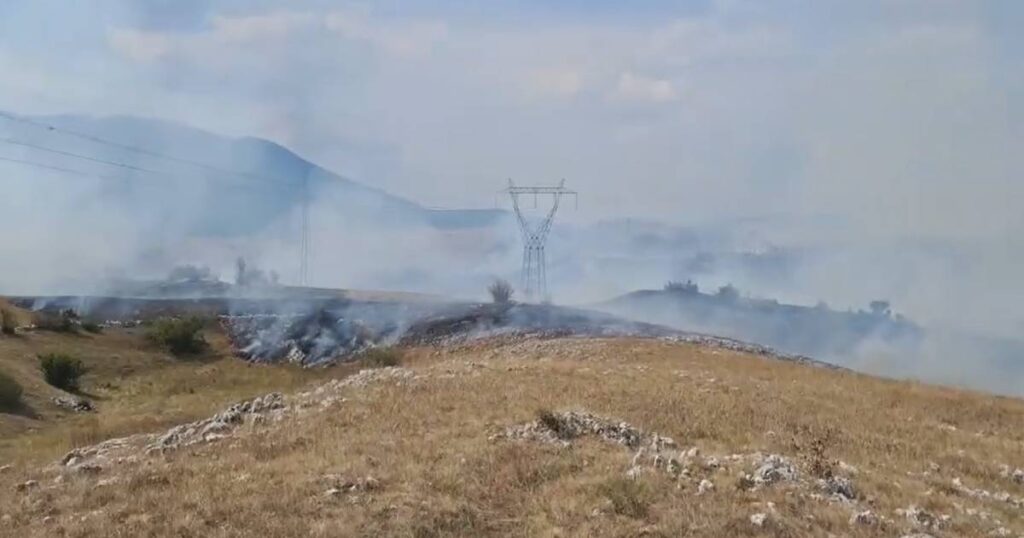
[(10, 392), (381, 357), (91, 327), (7, 322), (179, 336), (61, 371), (628, 497), (65, 321)]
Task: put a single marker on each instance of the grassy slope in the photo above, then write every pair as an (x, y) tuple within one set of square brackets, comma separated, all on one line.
[(135, 385), (427, 443)]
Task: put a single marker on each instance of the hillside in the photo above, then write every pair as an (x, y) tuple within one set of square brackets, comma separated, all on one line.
[(817, 331), (244, 185), (514, 435)]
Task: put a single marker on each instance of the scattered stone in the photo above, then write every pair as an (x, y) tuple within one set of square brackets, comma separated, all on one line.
[(5, 469), (566, 426), (339, 485), (985, 494), (372, 376), (1015, 475), (217, 426), (866, 518), (635, 472), (759, 519), (26, 485), (839, 488), (75, 405), (919, 517), (88, 468), (848, 469), (333, 492), (705, 486), (772, 470)]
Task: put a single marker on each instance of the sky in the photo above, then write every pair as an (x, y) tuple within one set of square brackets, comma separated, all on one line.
[(903, 116), (901, 119)]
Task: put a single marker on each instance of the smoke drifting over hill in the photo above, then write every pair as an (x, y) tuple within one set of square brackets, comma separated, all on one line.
[(814, 151)]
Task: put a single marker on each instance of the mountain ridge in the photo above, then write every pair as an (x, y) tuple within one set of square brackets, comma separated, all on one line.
[(218, 164)]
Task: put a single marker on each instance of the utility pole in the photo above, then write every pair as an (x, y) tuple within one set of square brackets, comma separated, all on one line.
[(534, 270), (304, 241)]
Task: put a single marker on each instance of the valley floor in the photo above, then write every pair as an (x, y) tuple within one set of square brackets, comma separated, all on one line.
[(545, 437)]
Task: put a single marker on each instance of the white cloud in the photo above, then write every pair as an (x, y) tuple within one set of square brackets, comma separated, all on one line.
[(140, 46), (276, 25), (406, 38), (206, 47), (559, 83), (640, 89)]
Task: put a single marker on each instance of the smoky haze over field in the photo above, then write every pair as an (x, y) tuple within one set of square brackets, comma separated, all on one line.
[(803, 151)]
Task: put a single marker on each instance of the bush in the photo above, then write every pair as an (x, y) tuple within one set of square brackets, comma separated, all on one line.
[(10, 392), (65, 321), (728, 293), (501, 291), (681, 287), (381, 357), (179, 336), (628, 497), (91, 327), (7, 322), (62, 371)]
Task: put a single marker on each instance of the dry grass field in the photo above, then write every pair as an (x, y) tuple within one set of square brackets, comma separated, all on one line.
[(425, 450), (135, 386)]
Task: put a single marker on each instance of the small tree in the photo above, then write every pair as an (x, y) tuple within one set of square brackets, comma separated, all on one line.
[(10, 392), (880, 308), (728, 293), (179, 336), (62, 371), (189, 273), (65, 321), (7, 322), (240, 276), (501, 291), (681, 287)]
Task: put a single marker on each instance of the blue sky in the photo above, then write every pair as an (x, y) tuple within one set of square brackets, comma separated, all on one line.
[(900, 115)]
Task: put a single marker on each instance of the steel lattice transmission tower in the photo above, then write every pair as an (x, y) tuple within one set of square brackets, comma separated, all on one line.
[(534, 277)]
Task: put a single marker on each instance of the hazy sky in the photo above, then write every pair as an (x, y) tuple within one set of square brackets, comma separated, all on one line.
[(904, 116)]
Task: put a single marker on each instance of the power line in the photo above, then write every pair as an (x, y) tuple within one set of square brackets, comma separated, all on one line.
[(135, 149), (126, 166), (59, 168), (275, 183), (77, 156)]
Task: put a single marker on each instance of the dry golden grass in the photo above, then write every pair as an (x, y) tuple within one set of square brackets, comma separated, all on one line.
[(135, 385), (427, 443)]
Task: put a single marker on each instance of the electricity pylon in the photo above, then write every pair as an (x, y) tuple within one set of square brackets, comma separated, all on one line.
[(535, 236)]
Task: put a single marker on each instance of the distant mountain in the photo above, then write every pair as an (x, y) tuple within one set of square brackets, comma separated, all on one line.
[(815, 331), (239, 186)]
